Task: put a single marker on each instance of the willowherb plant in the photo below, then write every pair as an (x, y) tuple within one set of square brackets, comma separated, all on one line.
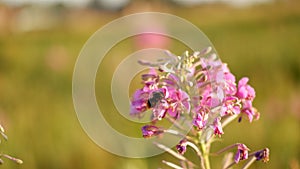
[(16, 160), (201, 90)]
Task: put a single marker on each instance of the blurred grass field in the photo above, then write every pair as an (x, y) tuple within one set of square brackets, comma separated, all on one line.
[(261, 42)]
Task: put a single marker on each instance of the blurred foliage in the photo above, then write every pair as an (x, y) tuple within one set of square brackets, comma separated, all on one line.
[(261, 42)]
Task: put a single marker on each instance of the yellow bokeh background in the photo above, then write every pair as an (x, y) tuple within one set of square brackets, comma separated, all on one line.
[(38, 54)]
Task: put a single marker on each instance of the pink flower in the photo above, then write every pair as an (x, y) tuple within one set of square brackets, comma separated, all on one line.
[(150, 80), (230, 85), (151, 130), (263, 155), (217, 127), (181, 147), (244, 90), (246, 94), (139, 102), (206, 97), (242, 153), (210, 61), (199, 121), (252, 113), (179, 102), (230, 106)]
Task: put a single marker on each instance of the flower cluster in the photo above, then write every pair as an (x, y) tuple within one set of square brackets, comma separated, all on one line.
[(198, 87), (168, 90)]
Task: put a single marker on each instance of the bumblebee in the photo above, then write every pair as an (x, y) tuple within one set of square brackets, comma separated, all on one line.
[(154, 99)]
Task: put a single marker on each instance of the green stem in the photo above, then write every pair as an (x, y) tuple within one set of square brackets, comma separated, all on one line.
[(205, 150)]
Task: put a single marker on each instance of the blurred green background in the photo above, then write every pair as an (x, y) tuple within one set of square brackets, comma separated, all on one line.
[(39, 45)]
